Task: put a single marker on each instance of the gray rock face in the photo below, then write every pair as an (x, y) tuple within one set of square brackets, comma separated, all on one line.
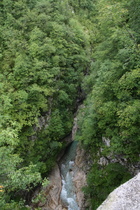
[(80, 176), (54, 190), (51, 194), (125, 197)]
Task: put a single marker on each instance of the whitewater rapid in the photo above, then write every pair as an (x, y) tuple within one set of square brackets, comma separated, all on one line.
[(68, 195)]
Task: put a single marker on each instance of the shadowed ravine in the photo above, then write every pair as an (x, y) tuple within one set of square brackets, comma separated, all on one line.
[(66, 180)]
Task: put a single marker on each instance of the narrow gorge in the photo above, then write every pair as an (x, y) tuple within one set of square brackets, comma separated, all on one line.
[(66, 180), (54, 56)]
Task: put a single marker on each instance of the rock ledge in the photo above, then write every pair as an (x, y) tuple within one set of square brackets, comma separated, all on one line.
[(125, 197)]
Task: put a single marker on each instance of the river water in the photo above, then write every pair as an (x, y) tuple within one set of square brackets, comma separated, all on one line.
[(68, 195)]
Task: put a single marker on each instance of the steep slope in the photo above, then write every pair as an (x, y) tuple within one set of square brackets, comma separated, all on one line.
[(54, 54), (44, 55), (109, 122)]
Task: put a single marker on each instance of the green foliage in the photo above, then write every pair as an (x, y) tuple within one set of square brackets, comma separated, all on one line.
[(111, 109), (43, 56), (102, 180), (12, 205), (113, 84), (133, 19), (47, 48)]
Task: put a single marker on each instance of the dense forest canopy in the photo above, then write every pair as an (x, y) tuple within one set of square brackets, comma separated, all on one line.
[(44, 55), (52, 55), (112, 107)]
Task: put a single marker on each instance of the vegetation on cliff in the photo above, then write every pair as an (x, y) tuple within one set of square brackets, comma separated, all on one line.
[(50, 50), (44, 55), (112, 106)]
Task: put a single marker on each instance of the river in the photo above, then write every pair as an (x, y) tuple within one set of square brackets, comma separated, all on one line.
[(68, 195)]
